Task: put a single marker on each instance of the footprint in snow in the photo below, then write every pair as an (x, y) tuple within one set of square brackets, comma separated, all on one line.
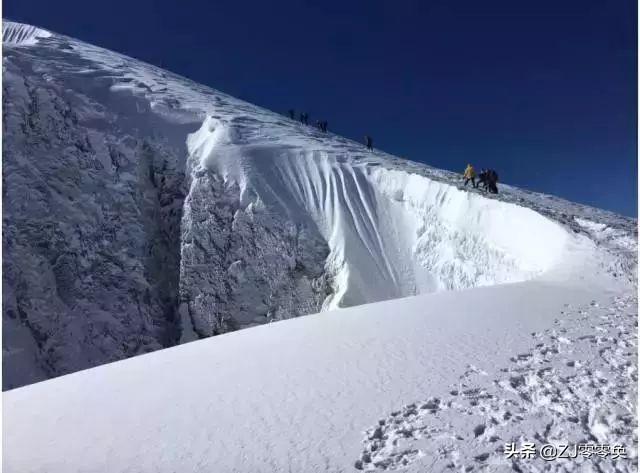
[(541, 396)]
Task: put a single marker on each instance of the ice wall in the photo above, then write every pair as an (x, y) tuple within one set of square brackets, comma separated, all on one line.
[(382, 233), (115, 245)]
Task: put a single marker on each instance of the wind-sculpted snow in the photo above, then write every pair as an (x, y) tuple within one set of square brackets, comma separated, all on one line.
[(387, 233), (142, 210), (18, 34)]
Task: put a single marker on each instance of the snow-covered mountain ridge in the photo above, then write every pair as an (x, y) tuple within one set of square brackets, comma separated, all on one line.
[(142, 210)]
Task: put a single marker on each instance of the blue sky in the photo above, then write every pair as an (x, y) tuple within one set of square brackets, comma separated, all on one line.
[(543, 91)]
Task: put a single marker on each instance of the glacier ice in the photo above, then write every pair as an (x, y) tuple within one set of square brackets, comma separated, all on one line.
[(388, 233), (142, 210)]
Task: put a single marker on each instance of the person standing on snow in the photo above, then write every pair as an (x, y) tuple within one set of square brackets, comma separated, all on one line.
[(292, 114), (483, 179), (469, 175), (492, 181), (369, 142)]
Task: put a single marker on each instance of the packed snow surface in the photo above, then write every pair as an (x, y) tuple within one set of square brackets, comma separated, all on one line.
[(142, 210), (414, 384)]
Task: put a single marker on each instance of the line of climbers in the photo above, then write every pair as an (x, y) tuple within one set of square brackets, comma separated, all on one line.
[(488, 178), (323, 126)]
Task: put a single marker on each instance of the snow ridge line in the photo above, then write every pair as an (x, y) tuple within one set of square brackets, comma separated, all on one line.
[(19, 34)]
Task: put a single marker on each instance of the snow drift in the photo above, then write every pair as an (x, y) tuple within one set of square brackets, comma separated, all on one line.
[(389, 233), (142, 210)]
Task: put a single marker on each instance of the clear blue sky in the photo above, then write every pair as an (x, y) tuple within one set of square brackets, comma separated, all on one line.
[(543, 91)]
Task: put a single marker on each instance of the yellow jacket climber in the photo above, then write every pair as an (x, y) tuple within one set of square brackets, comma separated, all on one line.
[(470, 175)]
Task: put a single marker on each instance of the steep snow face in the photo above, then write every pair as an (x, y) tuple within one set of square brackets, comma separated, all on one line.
[(142, 210), (388, 233), (91, 218), (19, 34)]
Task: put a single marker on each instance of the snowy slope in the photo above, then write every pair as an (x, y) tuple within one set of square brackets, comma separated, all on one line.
[(379, 387), (142, 210)]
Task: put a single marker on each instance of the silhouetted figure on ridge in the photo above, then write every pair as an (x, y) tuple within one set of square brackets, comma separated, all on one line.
[(483, 179), (492, 181), (369, 142)]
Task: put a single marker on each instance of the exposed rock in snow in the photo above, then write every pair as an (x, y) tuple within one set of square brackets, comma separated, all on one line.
[(142, 210)]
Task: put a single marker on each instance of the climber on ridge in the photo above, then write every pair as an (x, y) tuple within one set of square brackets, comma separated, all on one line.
[(369, 142), (469, 175), (492, 181), (483, 179)]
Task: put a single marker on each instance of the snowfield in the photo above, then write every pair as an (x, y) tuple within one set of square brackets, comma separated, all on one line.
[(142, 211), (396, 385)]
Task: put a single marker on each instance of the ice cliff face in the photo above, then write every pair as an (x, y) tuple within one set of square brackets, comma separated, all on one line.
[(142, 210), (91, 225), (380, 233)]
